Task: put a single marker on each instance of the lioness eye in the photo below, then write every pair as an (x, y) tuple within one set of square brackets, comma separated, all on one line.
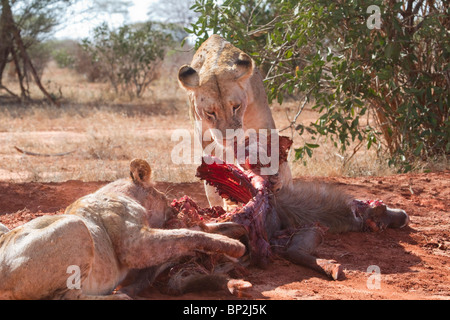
[(211, 115), (236, 108)]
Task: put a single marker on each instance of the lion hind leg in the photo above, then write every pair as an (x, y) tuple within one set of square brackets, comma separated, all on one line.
[(39, 257)]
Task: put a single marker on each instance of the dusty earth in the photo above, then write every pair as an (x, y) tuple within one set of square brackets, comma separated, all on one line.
[(414, 262)]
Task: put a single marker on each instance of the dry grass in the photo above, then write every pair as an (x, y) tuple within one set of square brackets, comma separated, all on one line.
[(106, 131), (103, 141)]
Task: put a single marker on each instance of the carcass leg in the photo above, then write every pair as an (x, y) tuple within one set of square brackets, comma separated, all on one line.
[(301, 247)]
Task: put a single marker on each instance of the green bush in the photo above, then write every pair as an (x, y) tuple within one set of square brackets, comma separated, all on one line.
[(63, 58), (330, 53), (130, 56)]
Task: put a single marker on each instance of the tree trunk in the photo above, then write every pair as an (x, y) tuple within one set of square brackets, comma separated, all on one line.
[(10, 30), (5, 44)]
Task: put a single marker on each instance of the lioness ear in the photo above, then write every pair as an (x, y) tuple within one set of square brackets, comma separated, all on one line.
[(188, 77), (140, 171), (244, 66)]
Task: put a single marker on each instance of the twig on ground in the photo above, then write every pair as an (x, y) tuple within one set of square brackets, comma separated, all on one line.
[(29, 153)]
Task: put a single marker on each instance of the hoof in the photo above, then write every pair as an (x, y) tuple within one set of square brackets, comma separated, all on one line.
[(331, 268), (239, 288)]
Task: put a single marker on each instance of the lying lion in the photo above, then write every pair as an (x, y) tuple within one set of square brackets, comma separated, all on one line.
[(87, 252)]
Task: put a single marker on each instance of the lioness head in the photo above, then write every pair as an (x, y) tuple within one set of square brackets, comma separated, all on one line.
[(143, 191), (217, 85)]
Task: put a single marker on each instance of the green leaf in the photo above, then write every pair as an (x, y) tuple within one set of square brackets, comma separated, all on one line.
[(299, 152), (418, 150), (312, 145)]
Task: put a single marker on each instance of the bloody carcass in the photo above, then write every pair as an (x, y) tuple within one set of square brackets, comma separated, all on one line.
[(289, 223)]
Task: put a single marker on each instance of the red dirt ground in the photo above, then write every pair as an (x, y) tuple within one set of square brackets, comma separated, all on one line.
[(414, 262)]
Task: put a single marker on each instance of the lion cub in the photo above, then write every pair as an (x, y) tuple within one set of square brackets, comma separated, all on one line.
[(87, 251)]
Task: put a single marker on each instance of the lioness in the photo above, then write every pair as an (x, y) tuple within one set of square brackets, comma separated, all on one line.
[(98, 239), (226, 91)]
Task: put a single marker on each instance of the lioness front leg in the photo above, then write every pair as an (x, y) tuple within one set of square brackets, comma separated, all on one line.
[(3, 229), (150, 247), (214, 199)]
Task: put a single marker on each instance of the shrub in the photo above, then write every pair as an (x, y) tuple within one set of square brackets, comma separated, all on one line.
[(390, 59), (129, 57)]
